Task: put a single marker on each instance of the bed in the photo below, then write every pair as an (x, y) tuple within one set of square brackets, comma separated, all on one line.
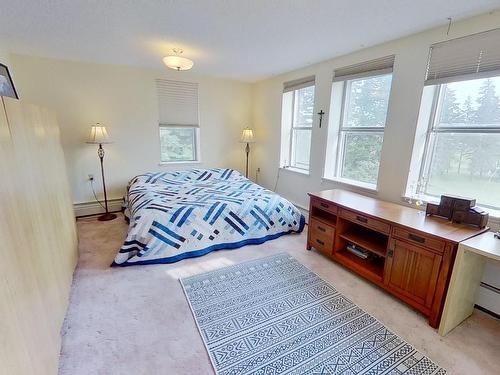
[(182, 214)]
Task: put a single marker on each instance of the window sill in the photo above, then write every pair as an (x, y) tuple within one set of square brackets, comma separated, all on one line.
[(179, 162), (357, 184), (295, 170)]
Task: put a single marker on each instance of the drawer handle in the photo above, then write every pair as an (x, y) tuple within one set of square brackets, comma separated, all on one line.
[(416, 238), (320, 242), (324, 205), (390, 253), (362, 219), (321, 229)]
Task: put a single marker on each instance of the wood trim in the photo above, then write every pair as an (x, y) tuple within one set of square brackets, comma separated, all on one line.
[(320, 227), (308, 244), (403, 216), (442, 284), (321, 242), (366, 220), (429, 242), (324, 205)]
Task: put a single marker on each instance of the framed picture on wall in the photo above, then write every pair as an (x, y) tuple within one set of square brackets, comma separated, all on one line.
[(6, 85)]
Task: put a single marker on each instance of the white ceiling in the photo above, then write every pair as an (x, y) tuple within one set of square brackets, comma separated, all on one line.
[(240, 39)]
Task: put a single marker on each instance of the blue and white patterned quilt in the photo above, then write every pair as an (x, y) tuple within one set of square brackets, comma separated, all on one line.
[(182, 214)]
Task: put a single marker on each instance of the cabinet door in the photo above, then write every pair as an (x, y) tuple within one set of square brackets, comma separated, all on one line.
[(412, 271)]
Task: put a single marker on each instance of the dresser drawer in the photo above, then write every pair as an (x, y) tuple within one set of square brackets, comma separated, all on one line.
[(321, 228), (366, 221), (320, 241), (418, 239), (326, 206)]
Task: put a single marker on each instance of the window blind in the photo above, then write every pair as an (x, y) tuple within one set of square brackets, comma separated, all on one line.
[(470, 57), (374, 67), (299, 84), (177, 102)]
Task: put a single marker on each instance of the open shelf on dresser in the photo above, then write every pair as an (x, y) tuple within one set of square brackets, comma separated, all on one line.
[(372, 268), (324, 216), (368, 240), (373, 242)]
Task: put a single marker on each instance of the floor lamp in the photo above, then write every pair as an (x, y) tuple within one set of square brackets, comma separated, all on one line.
[(247, 137), (99, 136)]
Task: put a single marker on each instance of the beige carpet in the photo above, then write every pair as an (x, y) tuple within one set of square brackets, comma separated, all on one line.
[(136, 320)]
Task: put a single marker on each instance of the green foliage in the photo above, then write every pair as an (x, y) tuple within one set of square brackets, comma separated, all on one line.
[(367, 105), (362, 157), (368, 100), (451, 111), (304, 106), (488, 111), (177, 144)]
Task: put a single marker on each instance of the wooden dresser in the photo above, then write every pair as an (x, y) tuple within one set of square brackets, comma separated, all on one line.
[(406, 253)]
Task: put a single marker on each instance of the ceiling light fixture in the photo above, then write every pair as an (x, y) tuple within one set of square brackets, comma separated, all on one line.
[(178, 62)]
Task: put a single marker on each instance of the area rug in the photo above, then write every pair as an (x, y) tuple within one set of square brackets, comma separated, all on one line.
[(275, 316)]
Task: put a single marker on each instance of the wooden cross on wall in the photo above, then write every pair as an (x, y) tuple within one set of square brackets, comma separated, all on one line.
[(320, 113)]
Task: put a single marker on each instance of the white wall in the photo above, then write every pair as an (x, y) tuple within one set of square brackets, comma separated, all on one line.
[(124, 99), (4, 57), (408, 80)]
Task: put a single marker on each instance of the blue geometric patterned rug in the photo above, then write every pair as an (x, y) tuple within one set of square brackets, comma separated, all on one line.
[(275, 316)]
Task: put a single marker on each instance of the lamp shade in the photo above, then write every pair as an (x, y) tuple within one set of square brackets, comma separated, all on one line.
[(247, 136), (98, 135), (178, 62)]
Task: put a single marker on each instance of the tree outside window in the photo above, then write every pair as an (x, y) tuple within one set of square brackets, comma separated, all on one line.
[(463, 150), (362, 129)]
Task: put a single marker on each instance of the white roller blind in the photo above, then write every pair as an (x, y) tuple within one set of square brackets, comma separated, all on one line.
[(470, 57), (177, 102), (378, 66), (298, 84)]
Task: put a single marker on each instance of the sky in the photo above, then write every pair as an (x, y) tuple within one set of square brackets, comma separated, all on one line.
[(466, 88)]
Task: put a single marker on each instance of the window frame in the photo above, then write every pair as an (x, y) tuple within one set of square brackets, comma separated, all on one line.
[(344, 130), (430, 139), (291, 160), (195, 143)]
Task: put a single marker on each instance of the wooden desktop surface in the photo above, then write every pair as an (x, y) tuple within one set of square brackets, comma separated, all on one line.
[(399, 214)]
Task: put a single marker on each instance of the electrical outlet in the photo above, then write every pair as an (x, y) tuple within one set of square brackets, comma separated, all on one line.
[(91, 177)]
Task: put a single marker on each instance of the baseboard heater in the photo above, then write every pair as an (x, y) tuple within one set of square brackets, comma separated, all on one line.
[(488, 299)]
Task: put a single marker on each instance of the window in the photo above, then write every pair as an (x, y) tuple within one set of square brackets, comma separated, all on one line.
[(177, 143), (178, 121), (358, 112), (459, 122), (297, 120), (362, 128), (462, 153)]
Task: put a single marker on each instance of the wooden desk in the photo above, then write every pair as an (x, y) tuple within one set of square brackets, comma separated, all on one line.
[(466, 277), (409, 254)]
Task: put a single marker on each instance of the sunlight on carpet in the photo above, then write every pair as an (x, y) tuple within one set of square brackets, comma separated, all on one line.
[(185, 270)]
